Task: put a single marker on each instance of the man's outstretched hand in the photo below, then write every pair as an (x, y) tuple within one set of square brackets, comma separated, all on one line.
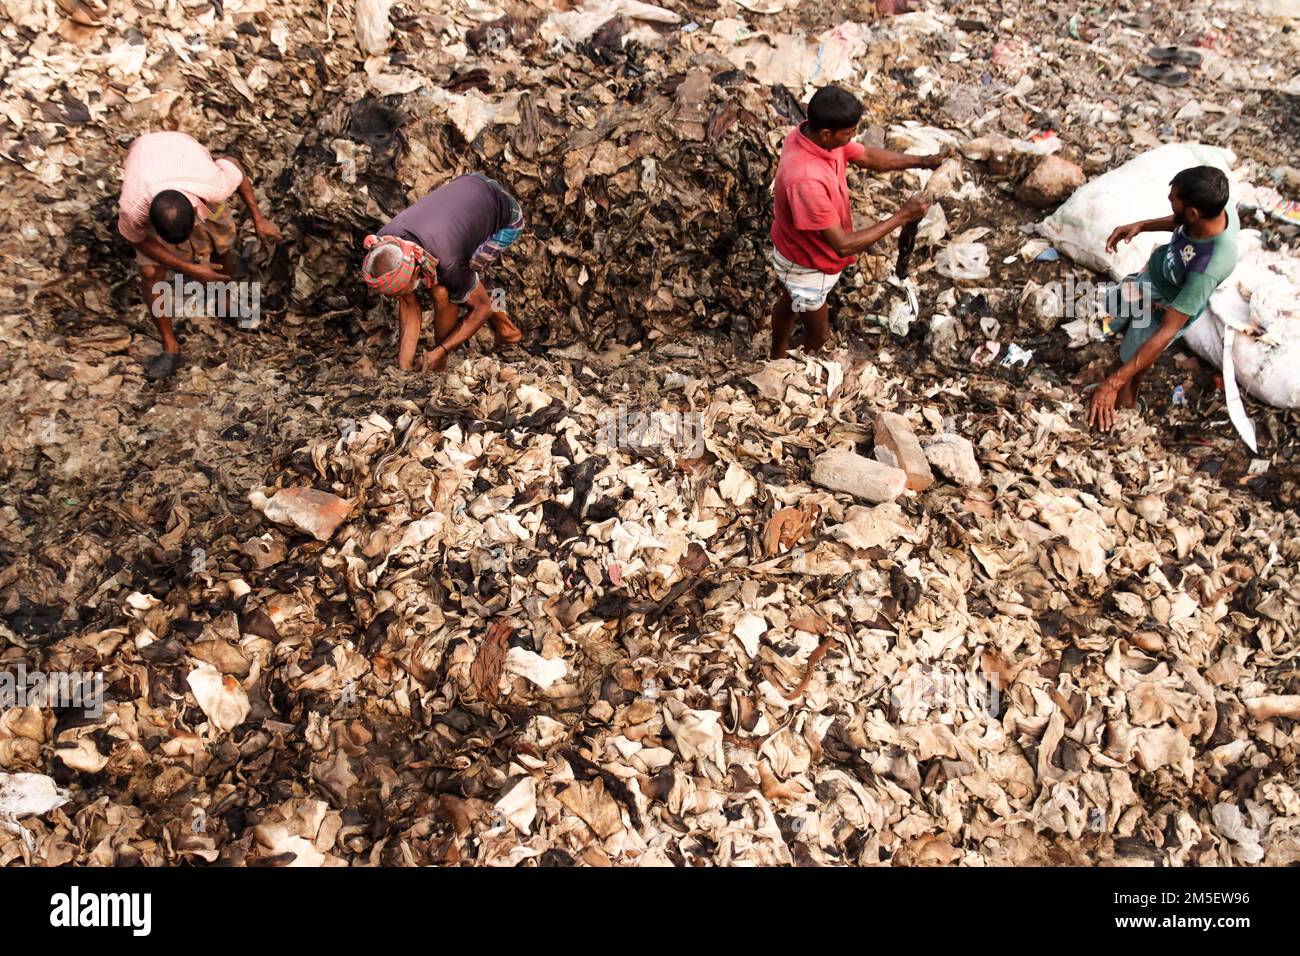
[(205, 272), (266, 229), (1101, 411), (1122, 234), (935, 160), (915, 208)]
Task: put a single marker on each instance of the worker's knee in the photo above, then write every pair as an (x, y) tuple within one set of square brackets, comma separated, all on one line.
[(441, 297)]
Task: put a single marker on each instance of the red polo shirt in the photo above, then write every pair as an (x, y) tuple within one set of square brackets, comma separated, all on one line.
[(811, 194)]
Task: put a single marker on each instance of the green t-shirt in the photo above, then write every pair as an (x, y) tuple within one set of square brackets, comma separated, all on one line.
[(1184, 272)]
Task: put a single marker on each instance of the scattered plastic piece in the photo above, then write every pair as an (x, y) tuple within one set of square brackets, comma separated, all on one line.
[(1273, 203), (1179, 397), (1017, 356)]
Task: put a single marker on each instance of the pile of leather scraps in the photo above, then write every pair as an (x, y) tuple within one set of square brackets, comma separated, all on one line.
[(538, 618)]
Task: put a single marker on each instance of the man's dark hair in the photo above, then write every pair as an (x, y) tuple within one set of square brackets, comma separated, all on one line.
[(172, 215), (833, 108), (1204, 187)]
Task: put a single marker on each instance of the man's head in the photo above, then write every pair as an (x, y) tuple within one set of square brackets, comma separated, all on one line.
[(1198, 195), (172, 216), (833, 115), (395, 266)]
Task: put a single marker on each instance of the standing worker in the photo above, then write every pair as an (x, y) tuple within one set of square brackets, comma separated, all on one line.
[(812, 233)]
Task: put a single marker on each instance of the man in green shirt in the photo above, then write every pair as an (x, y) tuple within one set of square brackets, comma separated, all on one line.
[(1179, 278)]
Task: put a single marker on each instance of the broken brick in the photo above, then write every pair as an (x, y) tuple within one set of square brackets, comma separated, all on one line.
[(954, 457), (859, 476), (897, 445)]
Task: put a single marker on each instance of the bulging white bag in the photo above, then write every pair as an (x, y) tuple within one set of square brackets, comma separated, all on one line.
[(1137, 190), (1261, 301)]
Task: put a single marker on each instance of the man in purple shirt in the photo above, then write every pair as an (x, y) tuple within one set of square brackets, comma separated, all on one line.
[(446, 241)]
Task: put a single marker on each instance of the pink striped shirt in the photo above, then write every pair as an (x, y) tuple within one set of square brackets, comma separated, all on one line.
[(161, 161)]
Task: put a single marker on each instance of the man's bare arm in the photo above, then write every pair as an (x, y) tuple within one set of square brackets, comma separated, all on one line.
[(886, 160), (1130, 230), (851, 242), (408, 312), (1150, 350), (480, 306), (1101, 410), (263, 226)]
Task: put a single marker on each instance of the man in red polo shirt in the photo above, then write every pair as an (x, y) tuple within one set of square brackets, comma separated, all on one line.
[(812, 233)]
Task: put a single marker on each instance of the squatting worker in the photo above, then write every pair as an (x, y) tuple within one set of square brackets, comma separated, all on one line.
[(447, 241), (1176, 284), (174, 210), (812, 233)]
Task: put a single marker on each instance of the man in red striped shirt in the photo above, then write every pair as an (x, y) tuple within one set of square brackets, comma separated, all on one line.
[(174, 210)]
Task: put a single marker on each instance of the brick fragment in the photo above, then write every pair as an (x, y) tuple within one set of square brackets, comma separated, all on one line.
[(897, 445), (859, 476)]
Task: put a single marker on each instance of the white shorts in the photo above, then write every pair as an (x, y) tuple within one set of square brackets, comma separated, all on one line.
[(808, 288)]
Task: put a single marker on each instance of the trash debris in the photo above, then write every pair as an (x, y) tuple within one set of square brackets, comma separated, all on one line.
[(23, 794), (954, 457), (897, 446), (963, 261), (861, 477), (1273, 203), (316, 512), (1015, 355), (985, 354)]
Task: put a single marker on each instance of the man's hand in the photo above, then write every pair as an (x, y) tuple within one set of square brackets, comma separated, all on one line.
[(1123, 234), (205, 272), (434, 360), (1101, 411), (266, 229), (935, 160), (915, 208)]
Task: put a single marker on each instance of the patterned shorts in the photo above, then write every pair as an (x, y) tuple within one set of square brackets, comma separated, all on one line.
[(808, 288), (489, 251)]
